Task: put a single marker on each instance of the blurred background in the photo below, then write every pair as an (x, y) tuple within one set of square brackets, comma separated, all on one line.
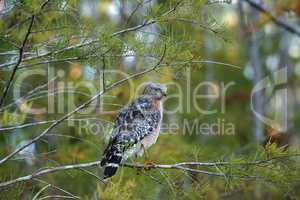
[(231, 67)]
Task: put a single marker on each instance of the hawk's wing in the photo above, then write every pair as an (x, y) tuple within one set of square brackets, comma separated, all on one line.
[(133, 118)]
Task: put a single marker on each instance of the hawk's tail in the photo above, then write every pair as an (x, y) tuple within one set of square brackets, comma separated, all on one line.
[(111, 159)]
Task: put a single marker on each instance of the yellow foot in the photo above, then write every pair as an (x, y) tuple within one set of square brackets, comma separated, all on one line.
[(148, 164)]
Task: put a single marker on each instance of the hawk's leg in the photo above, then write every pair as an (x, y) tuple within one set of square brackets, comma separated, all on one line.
[(147, 162)]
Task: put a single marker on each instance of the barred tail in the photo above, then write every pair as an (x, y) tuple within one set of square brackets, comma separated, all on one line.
[(111, 159)]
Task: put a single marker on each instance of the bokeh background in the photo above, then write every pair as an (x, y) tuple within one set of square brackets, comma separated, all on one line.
[(77, 48)]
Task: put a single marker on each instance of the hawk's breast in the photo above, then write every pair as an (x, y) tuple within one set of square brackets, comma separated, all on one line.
[(157, 120)]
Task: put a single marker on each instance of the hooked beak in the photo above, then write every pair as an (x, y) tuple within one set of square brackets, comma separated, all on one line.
[(164, 94)]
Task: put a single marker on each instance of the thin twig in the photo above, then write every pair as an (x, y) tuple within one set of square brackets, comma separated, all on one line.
[(56, 197), (103, 73), (58, 188), (28, 125), (92, 174), (135, 10)]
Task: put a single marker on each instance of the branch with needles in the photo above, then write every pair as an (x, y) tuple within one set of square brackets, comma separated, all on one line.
[(184, 166)]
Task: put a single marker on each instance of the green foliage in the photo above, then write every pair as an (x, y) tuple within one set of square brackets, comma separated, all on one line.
[(73, 41), (119, 190), (13, 192), (16, 117)]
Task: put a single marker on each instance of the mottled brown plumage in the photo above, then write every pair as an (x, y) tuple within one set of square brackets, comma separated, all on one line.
[(136, 128)]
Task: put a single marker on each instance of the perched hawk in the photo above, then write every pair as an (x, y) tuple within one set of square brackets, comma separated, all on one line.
[(136, 128)]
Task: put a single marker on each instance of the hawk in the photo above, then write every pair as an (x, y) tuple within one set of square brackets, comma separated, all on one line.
[(136, 128)]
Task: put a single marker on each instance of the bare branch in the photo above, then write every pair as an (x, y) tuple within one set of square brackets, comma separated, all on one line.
[(20, 58), (57, 197), (14, 53), (48, 171), (201, 62), (21, 51), (184, 166), (103, 73), (136, 9), (289, 27), (28, 125)]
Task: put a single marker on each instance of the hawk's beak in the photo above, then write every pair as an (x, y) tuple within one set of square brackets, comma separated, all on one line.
[(164, 94)]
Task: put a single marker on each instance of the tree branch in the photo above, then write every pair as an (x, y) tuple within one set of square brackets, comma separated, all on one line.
[(28, 125), (91, 41), (184, 166), (21, 51), (20, 58), (289, 27), (57, 122)]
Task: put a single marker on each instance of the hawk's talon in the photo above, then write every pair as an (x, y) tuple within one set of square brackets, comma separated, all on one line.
[(148, 165)]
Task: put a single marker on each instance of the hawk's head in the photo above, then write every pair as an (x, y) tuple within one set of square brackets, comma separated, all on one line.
[(155, 89)]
